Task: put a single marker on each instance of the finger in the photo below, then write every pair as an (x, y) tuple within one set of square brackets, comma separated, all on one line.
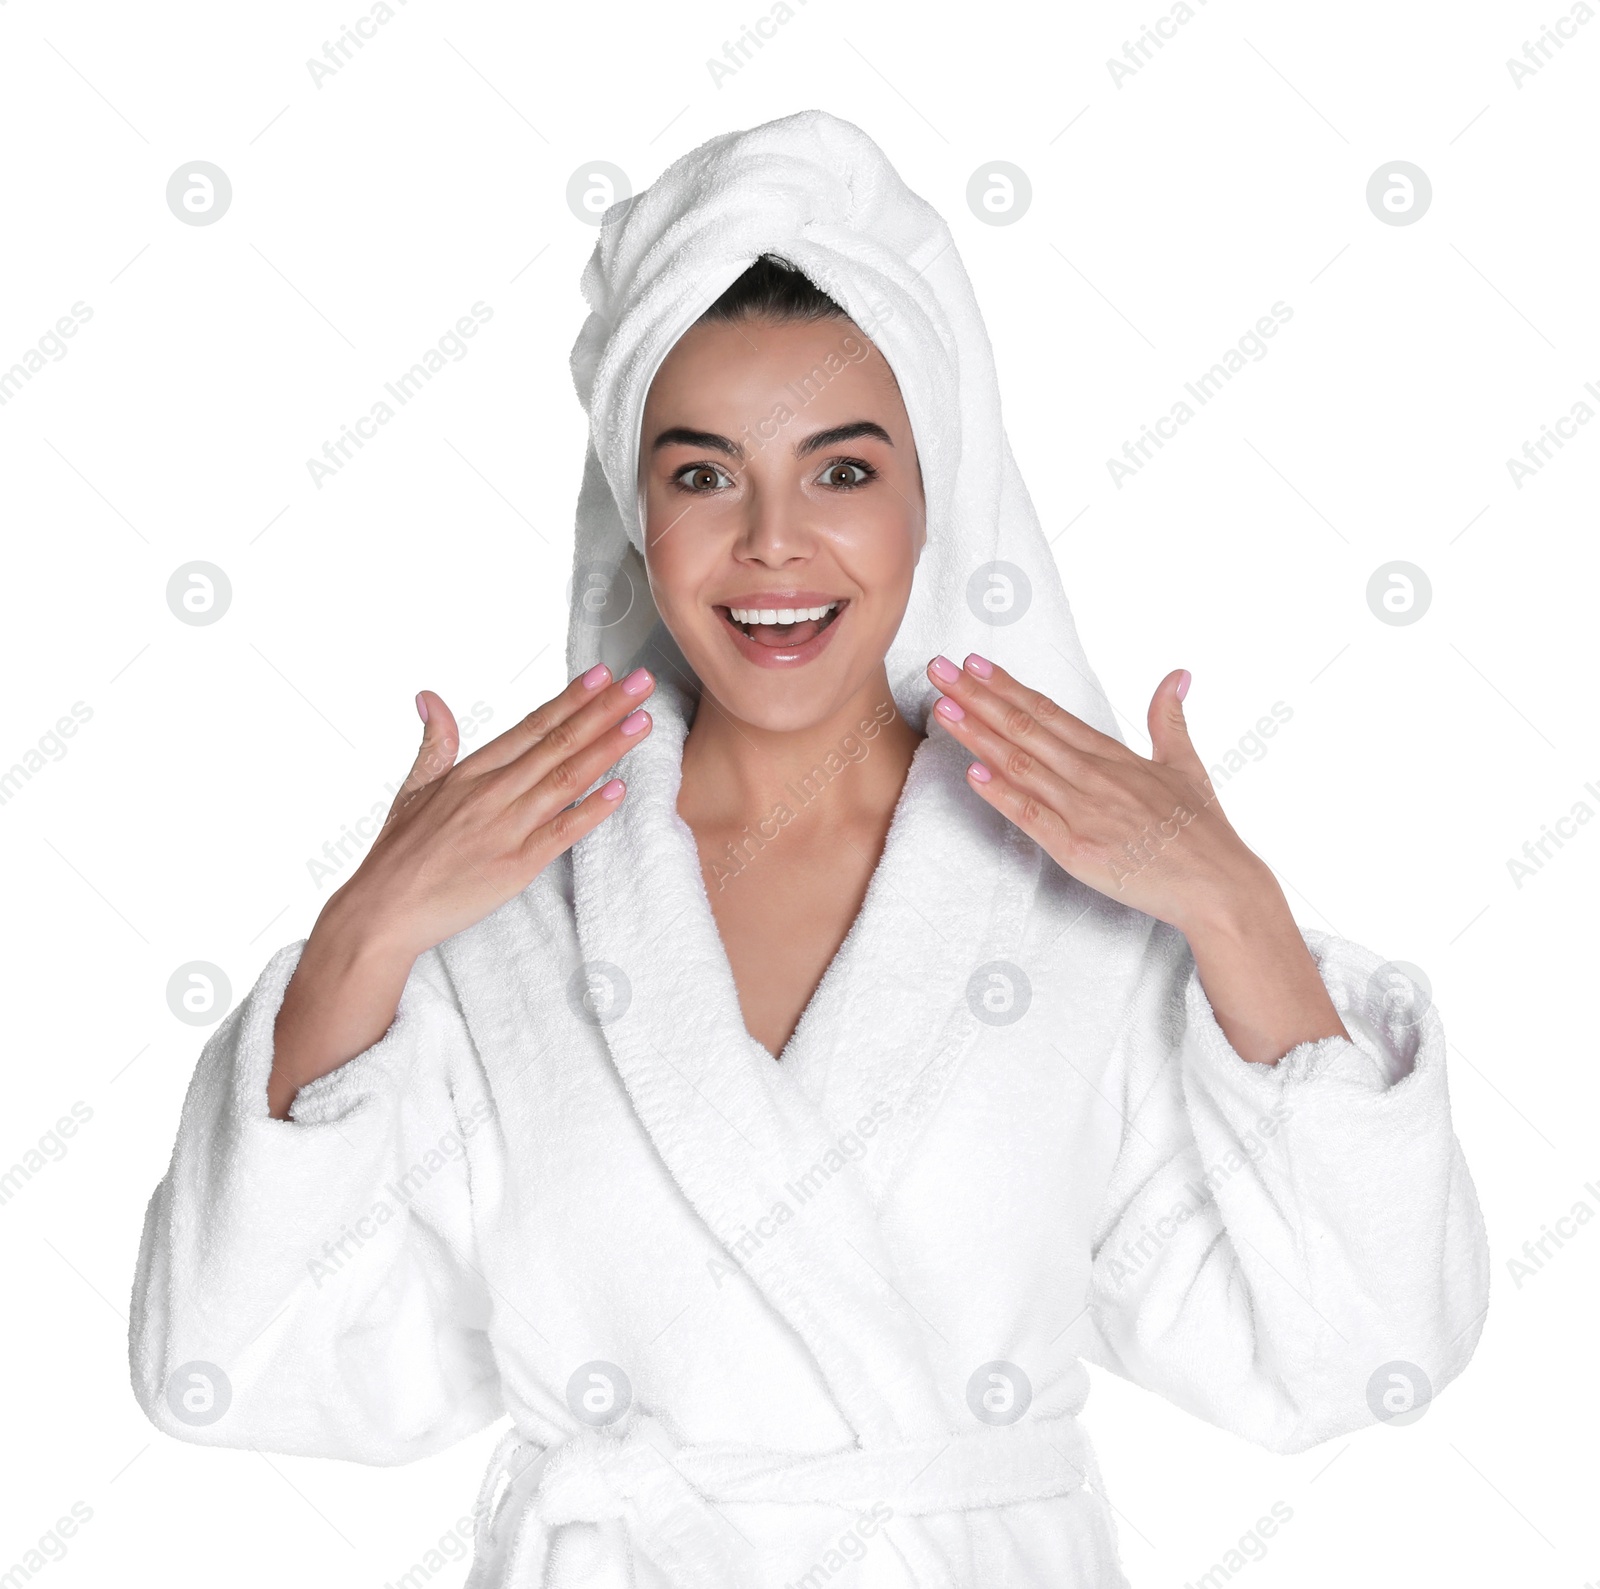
[(1047, 825), (528, 731), (1169, 728), (1050, 784), (544, 780), (441, 739), (579, 737), (983, 719), (1006, 693), (568, 825)]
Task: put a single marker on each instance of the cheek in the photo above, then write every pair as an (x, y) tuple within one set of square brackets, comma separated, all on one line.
[(887, 543), (676, 559)]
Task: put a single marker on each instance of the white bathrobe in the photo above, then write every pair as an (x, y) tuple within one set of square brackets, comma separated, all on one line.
[(819, 1320)]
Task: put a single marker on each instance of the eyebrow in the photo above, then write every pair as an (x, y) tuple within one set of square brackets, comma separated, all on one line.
[(683, 436)]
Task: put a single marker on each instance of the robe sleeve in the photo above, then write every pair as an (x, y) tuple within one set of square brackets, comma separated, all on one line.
[(312, 1285), (1282, 1247)]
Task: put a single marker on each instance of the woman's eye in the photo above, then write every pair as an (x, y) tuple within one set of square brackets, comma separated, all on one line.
[(832, 473), (699, 477)]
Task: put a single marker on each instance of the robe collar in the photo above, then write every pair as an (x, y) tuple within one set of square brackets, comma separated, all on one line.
[(744, 1135)]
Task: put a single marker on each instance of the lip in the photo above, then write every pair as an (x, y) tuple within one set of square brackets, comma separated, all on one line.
[(781, 598), (781, 656)]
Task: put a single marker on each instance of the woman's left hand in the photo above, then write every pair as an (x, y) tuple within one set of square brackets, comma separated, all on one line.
[(1148, 832)]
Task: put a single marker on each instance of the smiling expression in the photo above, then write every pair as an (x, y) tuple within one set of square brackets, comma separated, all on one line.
[(783, 511)]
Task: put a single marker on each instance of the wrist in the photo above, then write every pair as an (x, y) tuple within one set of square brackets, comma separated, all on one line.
[(355, 932), (1250, 907)]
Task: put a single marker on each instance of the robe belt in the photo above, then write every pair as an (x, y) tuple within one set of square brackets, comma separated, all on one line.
[(670, 1493)]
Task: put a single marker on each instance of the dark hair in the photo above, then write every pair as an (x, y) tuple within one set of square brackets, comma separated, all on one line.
[(773, 289)]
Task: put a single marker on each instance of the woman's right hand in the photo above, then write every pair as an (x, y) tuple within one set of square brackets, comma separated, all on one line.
[(459, 840)]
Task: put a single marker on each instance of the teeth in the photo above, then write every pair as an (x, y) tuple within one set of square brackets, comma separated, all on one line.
[(779, 614)]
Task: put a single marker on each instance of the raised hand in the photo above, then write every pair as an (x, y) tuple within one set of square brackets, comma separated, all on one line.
[(1146, 831), (460, 839)]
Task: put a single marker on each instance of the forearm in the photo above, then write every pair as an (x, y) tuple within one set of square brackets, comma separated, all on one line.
[(341, 999), (1260, 979)]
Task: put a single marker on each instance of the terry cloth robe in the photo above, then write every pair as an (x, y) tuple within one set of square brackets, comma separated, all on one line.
[(820, 1320)]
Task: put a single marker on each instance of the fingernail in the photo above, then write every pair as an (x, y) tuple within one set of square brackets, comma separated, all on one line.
[(1183, 684), (944, 668), (596, 676), (634, 721), (422, 707), (948, 708), (982, 666), (636, 682), (979, 773), (612, 790)]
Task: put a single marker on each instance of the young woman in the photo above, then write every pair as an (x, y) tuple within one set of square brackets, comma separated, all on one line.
[(775, 1137)]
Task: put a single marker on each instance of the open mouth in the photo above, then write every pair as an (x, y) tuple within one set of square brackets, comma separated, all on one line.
[(782, 628)]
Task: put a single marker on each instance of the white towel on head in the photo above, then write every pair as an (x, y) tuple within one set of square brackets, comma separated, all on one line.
[(818, 191)]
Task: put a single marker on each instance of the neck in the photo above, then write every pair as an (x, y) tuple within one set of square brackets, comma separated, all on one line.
[(828, 774)]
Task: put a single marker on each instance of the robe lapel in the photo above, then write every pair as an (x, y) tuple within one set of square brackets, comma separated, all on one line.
[(743, 1135), (892, 1019)]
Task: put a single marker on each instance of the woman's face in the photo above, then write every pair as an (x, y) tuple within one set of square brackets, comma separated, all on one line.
[(778, 475)]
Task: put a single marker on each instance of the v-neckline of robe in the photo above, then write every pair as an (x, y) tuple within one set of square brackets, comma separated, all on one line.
[(796, 1049), (803, 1056), (948, 892), (748, 1138)]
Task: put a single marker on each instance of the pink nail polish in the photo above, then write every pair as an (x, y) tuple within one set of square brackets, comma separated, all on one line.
[(949, 709), (636, 682), (1183, 684), (422, 707), (596, 676), (612, 790), (982, 666), (945, 669), (635, 721), (979, 773)]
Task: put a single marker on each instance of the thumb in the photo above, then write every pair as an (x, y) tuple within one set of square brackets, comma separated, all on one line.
[(441, 739), (1169, 729)]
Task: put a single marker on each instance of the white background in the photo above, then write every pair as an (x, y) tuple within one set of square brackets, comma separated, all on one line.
[(1167, 215)]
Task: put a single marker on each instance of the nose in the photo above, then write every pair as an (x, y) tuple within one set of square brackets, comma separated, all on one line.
[(776, 527)]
